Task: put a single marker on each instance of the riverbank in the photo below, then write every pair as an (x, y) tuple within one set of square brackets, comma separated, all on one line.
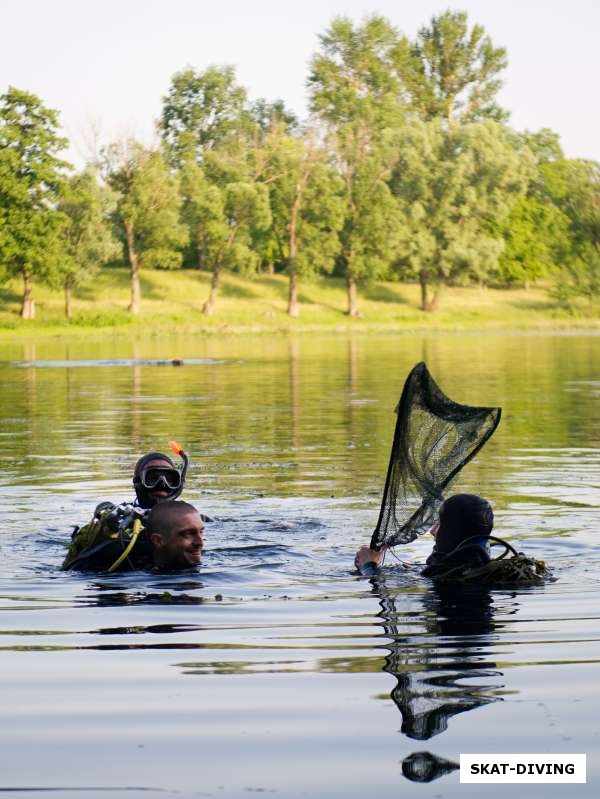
[(172, 301)]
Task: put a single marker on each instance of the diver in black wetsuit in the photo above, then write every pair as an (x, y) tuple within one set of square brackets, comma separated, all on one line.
[(462, 549), (461, 538)]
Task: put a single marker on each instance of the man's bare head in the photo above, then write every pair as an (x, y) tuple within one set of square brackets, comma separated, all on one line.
[(176, 532)]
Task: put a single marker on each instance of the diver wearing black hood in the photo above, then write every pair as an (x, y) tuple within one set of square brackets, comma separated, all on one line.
[(114, 539), (461, 534), (155, 479), (462, 549)]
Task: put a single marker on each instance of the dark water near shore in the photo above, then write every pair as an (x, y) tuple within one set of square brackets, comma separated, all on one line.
[(275, 669)]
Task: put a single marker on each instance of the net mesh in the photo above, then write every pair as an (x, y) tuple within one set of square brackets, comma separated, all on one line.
[(434, 438)]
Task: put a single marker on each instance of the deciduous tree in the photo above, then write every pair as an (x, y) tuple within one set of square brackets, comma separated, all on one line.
[(536, 232), (32, 183), (357, 90), (201, 111), (222, 218), (452, 71), (147, 209), (307, 207), (88, 238), (451, 184)]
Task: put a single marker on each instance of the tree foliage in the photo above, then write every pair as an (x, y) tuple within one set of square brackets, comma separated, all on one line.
[(452, 72), (88, 237), (356, 77), (222, 218), (452, 185), (201, 111), (357, 92), (32, 182), (536, 232), (579, 199), (147, 209), (307, 206), (266, 115)]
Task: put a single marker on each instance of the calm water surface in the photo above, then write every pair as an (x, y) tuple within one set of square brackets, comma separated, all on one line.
[(274, 669)]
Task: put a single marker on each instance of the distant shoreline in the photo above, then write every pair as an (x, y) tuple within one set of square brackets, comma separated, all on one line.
[(172, 304)]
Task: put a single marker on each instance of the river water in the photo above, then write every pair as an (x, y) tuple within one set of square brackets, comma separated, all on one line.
[(274, 668)]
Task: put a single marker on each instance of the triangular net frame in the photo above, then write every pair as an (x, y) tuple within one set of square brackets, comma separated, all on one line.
[(434, 438)]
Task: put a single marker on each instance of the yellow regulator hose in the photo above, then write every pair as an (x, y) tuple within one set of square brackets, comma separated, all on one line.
[(137, 529)]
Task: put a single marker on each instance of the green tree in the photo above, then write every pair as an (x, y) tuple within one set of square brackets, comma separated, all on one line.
[(577, 189), (307, 207), (266, 114), (452, 72), (536, 232), (32, 182), (357, 89), (201, 111), (147, 209), (222, 218), (583, 203), (536, 239), (89, 241), (357, 78), (453, 186)]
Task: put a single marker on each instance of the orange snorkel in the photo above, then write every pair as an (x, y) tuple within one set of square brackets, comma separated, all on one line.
[(177, 450)]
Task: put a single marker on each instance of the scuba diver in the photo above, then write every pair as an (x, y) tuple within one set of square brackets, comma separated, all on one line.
[(117, 537), (434, 438), (461, 552)]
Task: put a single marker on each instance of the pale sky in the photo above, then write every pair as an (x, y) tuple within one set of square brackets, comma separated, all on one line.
[(111, 62)]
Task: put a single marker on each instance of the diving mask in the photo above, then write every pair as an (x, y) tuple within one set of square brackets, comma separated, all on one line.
[(157, 477)]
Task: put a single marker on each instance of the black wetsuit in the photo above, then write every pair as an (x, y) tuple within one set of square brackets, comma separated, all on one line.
[(101, 557), (471, 556)]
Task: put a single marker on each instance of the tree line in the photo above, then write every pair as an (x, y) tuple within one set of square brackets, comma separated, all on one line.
[(407, 169)]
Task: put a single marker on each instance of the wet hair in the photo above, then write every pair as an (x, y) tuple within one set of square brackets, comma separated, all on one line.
[(463, 516), (163, 516)]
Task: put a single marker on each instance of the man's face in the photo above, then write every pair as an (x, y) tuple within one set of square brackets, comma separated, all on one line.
[(182, 546)]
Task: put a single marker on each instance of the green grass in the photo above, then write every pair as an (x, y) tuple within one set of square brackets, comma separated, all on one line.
[(173, 301)]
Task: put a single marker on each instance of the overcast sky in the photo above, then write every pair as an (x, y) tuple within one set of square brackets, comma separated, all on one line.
[(111, 62)]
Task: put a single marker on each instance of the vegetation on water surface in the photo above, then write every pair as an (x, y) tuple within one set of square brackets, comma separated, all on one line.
[(406, 172)]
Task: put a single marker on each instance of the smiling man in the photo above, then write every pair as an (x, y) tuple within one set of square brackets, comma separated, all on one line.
[(176, 532)]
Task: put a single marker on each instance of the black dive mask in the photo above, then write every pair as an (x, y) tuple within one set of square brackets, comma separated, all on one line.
[(155, 478), (148, 479)]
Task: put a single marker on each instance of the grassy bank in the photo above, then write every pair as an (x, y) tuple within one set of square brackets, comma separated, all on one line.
[(173, 300)]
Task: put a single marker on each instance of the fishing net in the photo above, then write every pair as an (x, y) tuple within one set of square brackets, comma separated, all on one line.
[(434, 438)]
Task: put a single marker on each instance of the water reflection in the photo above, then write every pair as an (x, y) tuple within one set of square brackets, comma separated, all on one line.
[(433, 667), (426, 767)]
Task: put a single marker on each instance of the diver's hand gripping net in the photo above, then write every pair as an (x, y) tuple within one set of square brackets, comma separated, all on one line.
[(434, 438)]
